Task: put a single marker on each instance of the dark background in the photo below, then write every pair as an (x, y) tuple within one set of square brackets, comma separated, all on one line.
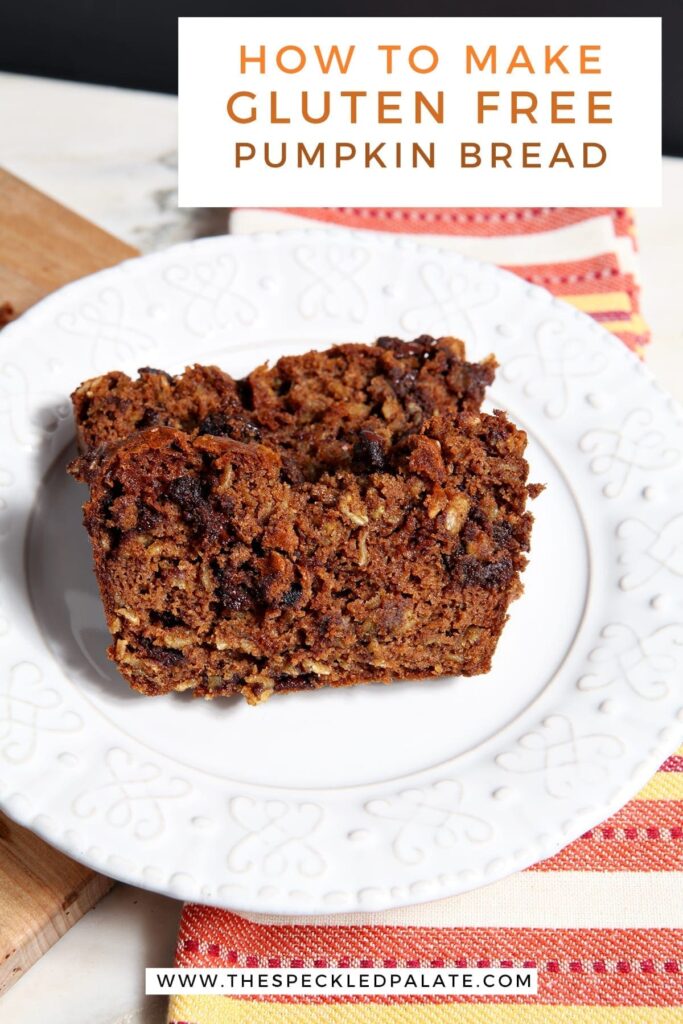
[(134, 42)]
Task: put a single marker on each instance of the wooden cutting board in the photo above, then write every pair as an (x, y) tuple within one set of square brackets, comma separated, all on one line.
[(42, 892)]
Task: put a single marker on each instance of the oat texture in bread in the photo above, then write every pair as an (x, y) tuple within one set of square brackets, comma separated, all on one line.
[(344, 516)]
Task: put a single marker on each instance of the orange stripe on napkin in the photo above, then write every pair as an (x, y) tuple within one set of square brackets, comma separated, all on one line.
[(646, 835), (597, 967), (465, 221)]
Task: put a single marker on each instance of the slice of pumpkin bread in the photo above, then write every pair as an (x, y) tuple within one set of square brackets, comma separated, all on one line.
[(346, 516)]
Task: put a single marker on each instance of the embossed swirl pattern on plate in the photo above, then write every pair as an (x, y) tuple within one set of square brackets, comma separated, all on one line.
[(576, 753)]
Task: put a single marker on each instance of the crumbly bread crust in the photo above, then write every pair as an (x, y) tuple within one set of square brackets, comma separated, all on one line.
[(344, 516), (309, 408)]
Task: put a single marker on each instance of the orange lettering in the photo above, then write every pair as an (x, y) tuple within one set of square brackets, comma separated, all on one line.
[(231, 107), (593, 106), (471, 57)]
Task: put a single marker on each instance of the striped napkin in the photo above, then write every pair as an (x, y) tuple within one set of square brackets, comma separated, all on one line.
[(601, 919)]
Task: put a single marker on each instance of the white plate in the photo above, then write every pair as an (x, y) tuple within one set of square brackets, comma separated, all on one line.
[(374, 796)]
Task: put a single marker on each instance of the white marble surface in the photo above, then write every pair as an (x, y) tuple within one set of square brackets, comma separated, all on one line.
[(95, 973), (111, 155), (108, 153)]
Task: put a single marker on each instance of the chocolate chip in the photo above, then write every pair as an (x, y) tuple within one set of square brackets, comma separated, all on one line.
[(110, 496), (291, 597), (149, 418), (219, 425), (249, 431), (305, 681), (468, 381), (369, 453), (489, 575), (403, 382), (148, 517), (234, 597), (423, 346), (232, 591), (186, 492), (245, 393), (167, 619), (502, 533), (163, 655)]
